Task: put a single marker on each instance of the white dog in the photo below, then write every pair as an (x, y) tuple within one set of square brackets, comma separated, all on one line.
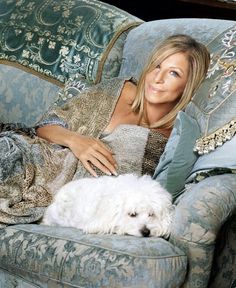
[(124, 205)]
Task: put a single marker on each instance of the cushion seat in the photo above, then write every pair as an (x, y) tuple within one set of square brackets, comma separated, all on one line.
[(43, 256)]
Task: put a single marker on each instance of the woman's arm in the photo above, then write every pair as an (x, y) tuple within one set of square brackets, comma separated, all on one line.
[(87, 149)]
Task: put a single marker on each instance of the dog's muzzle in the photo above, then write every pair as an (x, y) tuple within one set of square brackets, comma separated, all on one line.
[(145, 231)]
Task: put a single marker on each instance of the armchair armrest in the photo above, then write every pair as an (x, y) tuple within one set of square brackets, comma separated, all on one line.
[(200, 213)]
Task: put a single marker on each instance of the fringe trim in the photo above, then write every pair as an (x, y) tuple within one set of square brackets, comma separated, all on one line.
[(209, 143)]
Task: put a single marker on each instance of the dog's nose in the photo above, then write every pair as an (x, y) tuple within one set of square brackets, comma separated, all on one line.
[(145, 231)]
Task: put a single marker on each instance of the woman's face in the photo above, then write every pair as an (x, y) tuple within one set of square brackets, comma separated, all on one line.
[(165, 84)]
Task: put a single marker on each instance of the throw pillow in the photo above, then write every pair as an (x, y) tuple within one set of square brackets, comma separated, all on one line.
[(178, 158), (214, 104), (221, 160), (214, 108)]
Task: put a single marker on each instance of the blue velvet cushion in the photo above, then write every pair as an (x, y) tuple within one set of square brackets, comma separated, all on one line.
[(178, 158), (61, 38)]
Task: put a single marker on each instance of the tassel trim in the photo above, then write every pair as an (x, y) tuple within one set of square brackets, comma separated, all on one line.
[(209, 143)]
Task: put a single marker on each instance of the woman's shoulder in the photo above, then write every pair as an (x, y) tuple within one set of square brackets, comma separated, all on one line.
[(113, 83), (114, 87)]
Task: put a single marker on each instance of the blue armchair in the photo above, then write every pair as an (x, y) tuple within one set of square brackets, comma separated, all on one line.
[(54, 45)]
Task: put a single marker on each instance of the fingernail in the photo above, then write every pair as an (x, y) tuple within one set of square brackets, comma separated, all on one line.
[(115, 173)]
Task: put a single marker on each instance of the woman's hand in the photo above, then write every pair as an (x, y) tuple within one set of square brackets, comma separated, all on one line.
[(91, 151)]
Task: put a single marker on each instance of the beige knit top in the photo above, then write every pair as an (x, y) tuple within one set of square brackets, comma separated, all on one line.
[(137, 149)]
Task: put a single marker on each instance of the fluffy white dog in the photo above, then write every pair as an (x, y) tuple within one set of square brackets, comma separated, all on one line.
[(124, 205)]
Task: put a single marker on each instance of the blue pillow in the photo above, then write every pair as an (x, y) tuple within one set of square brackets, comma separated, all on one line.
[(223, 158), (178, 157), (214, 108), (214, 104)]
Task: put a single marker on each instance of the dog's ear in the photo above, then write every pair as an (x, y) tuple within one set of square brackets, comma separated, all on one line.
[(164, 218)]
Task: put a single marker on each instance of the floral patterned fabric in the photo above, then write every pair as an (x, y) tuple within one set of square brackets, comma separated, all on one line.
[(224, 268), (200, 213), (46, 256), (25, 97)]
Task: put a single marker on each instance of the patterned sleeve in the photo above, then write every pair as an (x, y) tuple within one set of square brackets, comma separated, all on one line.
[(50, 118)]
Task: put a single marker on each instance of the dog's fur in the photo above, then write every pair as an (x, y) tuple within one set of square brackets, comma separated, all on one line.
[(125, 205)]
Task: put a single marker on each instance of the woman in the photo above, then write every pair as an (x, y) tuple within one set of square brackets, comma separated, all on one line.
[(174, 72), (114, 127)]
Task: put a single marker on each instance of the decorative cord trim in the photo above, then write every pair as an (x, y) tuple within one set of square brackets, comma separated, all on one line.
[(209, 143)]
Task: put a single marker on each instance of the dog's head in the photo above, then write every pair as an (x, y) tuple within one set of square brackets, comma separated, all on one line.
[(145, 208)]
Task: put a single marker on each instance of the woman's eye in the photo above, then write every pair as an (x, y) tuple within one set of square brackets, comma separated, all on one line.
[(174, 73), (134, 214)]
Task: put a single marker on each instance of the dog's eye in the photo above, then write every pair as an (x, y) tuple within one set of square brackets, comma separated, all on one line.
[(151, 215), (134, 214)]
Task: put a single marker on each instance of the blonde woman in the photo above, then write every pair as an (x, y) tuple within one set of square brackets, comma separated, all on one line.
[(173, 74)]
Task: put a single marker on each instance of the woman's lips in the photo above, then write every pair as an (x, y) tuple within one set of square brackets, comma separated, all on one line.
[(155, 89)]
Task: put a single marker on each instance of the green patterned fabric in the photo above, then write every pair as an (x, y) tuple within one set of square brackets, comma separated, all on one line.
[(62, 38)]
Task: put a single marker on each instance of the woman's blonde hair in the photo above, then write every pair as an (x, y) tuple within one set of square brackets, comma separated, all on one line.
[(199, 59)]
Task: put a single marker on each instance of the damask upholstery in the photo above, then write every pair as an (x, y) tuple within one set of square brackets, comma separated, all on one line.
[(56, 41), (201, 250), (63, 38), (200, 213), (25, 96), (46, 256), (224, 268)]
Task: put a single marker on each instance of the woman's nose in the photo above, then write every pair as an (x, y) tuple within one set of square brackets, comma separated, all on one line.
[(159, 77)]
